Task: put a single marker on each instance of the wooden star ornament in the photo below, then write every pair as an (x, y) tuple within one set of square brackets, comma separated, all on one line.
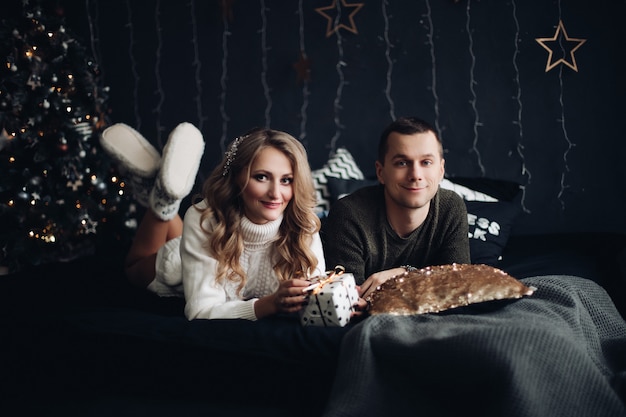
[(227, 9), (563, 44), (303, 68), (330, 13)]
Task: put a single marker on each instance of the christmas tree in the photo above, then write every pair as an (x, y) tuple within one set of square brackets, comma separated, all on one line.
[(59, 192)]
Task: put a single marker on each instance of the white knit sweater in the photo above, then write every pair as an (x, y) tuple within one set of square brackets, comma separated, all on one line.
[(205, 298)]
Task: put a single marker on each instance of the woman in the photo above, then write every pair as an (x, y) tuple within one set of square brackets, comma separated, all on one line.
[(254, 233), (247, 247)]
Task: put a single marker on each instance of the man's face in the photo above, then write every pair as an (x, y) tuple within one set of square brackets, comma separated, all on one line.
[(412, 171)]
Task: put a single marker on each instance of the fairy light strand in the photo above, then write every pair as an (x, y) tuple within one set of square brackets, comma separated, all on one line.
[(518, 99), (473, 101), (133, 65), (160, 93), (223, 84), (197, 64), (433, 66), (388, 46), (94, 35), (570, 144), (264, 50), (340, 85), (305, 83)]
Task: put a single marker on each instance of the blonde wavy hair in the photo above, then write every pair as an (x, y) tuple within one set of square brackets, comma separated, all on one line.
[(222, 193)]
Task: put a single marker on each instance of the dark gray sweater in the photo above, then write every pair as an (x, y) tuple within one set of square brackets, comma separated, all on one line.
[(358, 236)]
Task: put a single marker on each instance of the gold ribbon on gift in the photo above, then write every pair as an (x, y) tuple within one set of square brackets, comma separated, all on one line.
[(330, 277)]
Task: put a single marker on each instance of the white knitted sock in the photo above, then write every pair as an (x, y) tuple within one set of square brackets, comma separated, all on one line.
[(182, 155), (137, 159), (161, 203)]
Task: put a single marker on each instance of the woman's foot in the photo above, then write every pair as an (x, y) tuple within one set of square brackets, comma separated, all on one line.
[(137, 159), (181, 159)]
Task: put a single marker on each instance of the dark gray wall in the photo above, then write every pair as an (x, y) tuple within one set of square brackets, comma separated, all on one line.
[(472, 68)]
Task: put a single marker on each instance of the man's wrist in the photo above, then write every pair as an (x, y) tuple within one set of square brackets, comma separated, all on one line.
[(409, 268)]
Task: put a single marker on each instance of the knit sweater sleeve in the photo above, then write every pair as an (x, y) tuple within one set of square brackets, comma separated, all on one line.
[(205, 297)]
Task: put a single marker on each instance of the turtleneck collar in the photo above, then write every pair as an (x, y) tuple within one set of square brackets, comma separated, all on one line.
[(259, 233)]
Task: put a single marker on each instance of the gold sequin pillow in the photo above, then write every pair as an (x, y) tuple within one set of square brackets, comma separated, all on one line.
[(439, 288)]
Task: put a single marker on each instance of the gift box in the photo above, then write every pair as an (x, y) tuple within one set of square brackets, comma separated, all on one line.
[(331, 301)]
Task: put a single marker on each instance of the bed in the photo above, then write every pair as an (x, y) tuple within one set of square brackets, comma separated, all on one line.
[(80, 341)]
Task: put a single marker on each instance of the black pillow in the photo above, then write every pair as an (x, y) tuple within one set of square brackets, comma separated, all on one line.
[(490, 225), (498, 189), (338, 188)]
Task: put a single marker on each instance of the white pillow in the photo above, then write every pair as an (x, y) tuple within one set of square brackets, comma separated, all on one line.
[(466, 193)]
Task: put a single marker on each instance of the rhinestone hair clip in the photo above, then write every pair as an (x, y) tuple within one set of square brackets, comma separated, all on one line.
[(231, 154)]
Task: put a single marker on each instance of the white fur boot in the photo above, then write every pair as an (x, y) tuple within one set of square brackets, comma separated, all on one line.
[(181, 159), (137, 159)]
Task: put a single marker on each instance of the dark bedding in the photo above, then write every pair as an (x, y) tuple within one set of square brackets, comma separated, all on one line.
[(79, 341), (561, 352)]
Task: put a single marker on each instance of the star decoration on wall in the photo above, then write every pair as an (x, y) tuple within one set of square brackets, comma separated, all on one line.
[(562, 43), (348, 10), (227, 9), (303, 68)]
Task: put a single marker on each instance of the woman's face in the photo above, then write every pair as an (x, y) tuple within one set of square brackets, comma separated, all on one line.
[(269, 188)]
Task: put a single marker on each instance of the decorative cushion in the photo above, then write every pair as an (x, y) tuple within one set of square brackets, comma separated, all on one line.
[(340, 165), (490, 225), (498, 189), (492, 207), (438, 288), (339, 188), (466, 193)]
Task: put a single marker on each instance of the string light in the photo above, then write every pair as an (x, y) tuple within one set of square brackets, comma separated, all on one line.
[(305, 82), (474, 99), (133, 65), (388, 46), (339, 92), (570, 144), (264, 49), (518, 99), (197, 64), (223, 78), (160, 92), (433, 67)]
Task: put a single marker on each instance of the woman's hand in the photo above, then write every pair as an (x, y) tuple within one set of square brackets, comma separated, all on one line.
[(288, 298)]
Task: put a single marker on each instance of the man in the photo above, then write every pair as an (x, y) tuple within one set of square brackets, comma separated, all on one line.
[(406, 221)]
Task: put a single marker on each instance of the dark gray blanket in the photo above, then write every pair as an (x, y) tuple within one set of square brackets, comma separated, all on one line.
[(560, 352)]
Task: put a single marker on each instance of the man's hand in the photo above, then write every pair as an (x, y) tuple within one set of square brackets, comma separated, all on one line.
[(375, 280)]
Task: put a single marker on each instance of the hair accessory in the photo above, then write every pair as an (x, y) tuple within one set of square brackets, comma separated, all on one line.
[(231, 154)]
